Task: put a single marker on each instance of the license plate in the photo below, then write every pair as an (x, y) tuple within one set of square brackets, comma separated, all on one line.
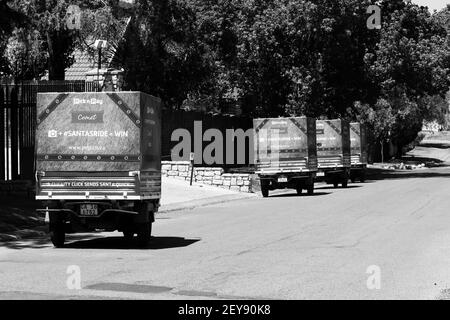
[(89, 210), (321, 174), (282, 179)]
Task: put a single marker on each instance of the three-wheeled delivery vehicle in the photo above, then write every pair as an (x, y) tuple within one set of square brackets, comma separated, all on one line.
[(285, 153), (98, 160), (358, 145), (333, 151)]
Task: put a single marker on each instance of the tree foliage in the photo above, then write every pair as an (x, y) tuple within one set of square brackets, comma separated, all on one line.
[(410, 70), (45, 43), (318, 58), (162, 54), (272, 57), (9, 19), (48, 20)]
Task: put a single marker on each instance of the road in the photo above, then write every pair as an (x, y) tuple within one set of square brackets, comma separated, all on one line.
[(282, 247)]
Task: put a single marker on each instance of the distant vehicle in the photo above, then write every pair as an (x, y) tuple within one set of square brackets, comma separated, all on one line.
[(333, 151), (358, 147), (98, 162), (285, 153)]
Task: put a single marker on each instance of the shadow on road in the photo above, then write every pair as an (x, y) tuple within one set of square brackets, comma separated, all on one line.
[(93, 241), (420, 159), (437, 145), (288, 195), (156, 243), (380, 174), (41, 241), (333, 188)]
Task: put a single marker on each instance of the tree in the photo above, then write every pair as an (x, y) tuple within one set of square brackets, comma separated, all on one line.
[(380, 120), (288, 57), (9, 19), (105, 21), (25, 54), (48, 18), (46, 36), (162, 54), (410, 65)]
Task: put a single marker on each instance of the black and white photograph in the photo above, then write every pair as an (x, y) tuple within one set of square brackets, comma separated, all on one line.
[(222, 155)]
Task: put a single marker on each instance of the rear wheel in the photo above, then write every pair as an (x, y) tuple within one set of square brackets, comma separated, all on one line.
[(299, 190), (128, 235), (311, 189), (57, 230), (58, 237), (144, 233), (265, 190), (345, 178), (362, 177)]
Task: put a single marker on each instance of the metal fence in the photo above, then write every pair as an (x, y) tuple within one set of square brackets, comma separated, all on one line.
[(17, 123)]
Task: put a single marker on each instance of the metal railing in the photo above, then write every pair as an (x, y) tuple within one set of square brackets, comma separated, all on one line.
[(17, 123)]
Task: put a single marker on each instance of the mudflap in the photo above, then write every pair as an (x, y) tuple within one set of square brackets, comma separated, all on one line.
[(141, 212), (142, 223), (146, 211)]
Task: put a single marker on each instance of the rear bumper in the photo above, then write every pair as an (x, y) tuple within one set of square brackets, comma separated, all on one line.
[(331, 174), (296, 175), (268, 172), (358, 166), (110, 215), (287, 179), (335, 169), (75, 213), (100, 196), (98, 186)]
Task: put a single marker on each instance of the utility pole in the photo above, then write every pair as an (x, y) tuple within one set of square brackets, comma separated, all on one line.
[(99, 44)]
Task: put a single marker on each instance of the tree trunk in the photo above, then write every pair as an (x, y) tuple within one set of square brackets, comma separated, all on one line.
[(55, 72), (382, 151), (56, 63), (400, 147)]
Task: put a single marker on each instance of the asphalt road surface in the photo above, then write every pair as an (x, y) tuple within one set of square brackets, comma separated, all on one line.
[(396, 227)]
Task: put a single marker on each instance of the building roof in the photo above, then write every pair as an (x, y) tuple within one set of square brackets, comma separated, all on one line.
[(83, 62)]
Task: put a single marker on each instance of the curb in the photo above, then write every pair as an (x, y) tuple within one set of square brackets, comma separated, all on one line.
[(189, 205)]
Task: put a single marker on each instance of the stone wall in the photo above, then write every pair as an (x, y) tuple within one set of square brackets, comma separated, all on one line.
[(214, 176)]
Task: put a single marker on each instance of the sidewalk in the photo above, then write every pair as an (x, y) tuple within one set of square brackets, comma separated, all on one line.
[(179, 195)]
